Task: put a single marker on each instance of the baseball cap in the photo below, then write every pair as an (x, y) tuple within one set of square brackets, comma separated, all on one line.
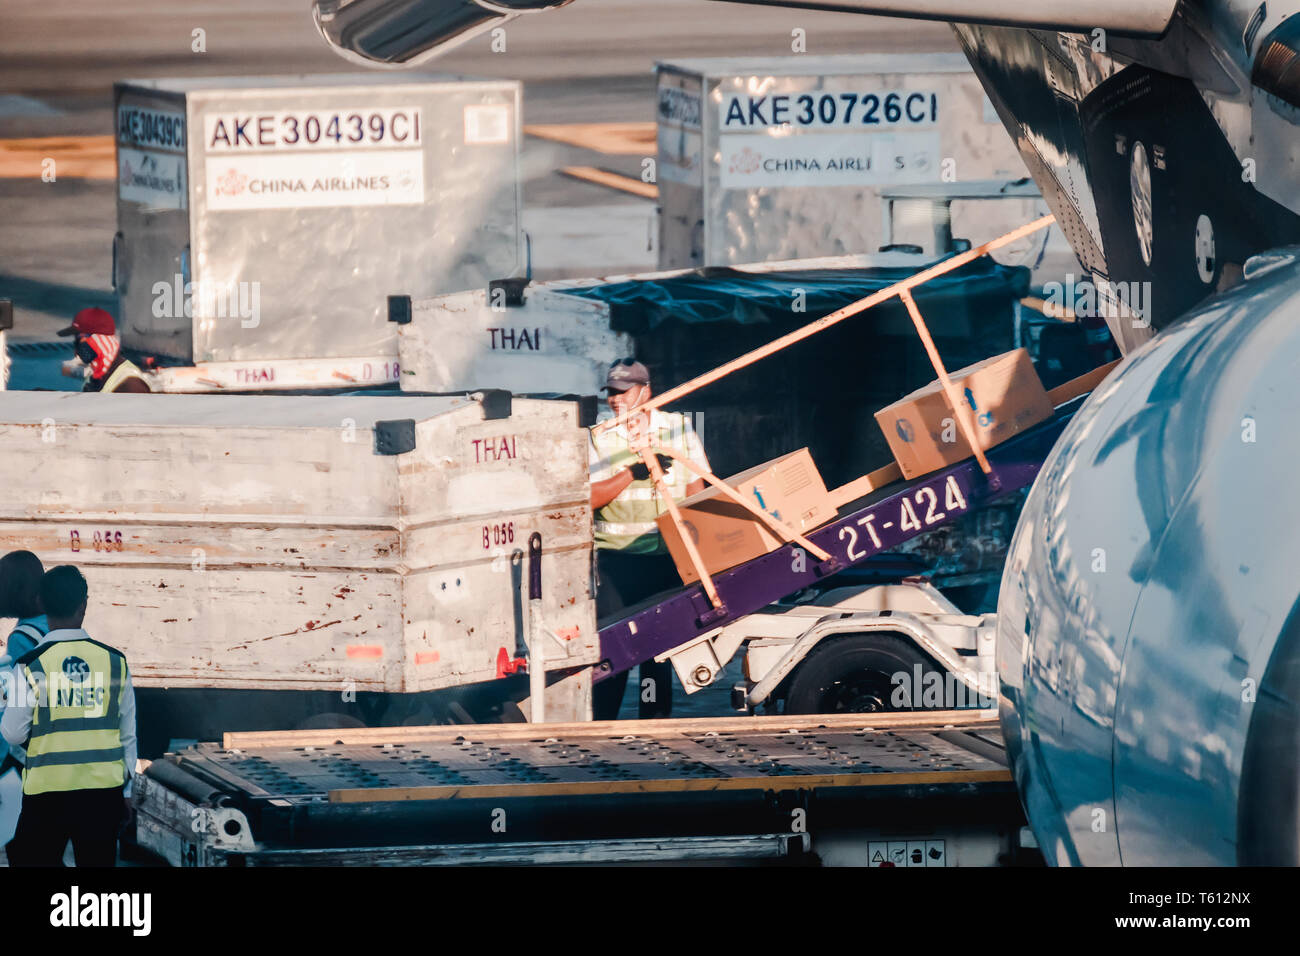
[(626, 373), (92, 321)]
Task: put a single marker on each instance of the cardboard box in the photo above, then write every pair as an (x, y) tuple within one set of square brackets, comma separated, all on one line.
[(1004, 397), (788, 488)]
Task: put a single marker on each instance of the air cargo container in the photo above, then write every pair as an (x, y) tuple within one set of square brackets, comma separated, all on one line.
[(764, 158), (262, 221), (339, 545)]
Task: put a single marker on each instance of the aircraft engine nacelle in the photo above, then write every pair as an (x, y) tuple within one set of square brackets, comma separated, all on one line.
[(1149, 622), (406, 32)]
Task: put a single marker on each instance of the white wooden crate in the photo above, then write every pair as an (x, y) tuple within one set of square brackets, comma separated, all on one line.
[(265, 542)]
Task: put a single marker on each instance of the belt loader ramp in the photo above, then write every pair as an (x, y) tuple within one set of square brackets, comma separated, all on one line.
[(880, 516), (684, 626)]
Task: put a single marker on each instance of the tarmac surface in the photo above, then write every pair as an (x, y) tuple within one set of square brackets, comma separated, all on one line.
[(590, 62)]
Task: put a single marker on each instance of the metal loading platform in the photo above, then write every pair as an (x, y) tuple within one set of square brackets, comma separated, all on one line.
[(757, 788)]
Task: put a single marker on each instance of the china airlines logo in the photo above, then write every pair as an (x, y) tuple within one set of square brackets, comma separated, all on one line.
[(231, 184), (746, 161)]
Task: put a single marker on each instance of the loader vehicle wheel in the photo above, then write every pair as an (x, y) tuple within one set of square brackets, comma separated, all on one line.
[(858, 674)]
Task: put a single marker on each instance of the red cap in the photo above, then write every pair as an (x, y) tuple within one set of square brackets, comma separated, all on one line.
[(92, 321)]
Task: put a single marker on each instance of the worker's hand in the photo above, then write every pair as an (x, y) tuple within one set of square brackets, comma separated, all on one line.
[(641, 471)]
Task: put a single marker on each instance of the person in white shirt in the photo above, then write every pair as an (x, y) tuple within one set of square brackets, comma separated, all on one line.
[(632, 561)]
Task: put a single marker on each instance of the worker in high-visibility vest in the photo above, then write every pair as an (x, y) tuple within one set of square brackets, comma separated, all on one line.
[(74, 709), (97, 345), (632, 561)]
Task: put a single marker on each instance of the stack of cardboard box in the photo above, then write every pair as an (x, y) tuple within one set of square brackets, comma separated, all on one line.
[(1002, 397)]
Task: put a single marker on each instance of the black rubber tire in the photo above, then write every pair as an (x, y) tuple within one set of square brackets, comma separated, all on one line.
[(855, 669)]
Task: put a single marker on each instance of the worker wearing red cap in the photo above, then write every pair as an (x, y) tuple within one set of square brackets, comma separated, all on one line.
[(98, 346)]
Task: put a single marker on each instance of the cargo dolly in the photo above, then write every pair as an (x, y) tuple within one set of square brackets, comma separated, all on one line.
[(753, 789)]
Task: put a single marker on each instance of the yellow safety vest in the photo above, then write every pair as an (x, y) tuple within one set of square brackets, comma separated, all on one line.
[(627, 523), (127, 369), (76, 740)]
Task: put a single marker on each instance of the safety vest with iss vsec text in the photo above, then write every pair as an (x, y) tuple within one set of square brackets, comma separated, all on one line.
[(76, 739)]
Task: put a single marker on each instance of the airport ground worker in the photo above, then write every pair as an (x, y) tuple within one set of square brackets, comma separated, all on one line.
[(98, 346), (77, 719), (632, 561), (20, 583)]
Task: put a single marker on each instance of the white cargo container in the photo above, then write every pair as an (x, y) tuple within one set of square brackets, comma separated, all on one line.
[(763, 159), (263, 221), (307, 543), (546, 342)]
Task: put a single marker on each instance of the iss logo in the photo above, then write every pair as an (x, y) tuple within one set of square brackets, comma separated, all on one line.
[(231, 184), (76, 670), (746, 161)]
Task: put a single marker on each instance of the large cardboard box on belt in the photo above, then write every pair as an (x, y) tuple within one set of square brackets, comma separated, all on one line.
[(1003, 396), (788, 488)]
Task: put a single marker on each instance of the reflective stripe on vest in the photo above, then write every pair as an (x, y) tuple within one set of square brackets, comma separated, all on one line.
[(622, 528), (76, 740), (120, 374), (29, 633), (627, 523)]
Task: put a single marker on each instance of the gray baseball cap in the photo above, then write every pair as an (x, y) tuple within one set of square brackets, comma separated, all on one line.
[(626, 373)]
